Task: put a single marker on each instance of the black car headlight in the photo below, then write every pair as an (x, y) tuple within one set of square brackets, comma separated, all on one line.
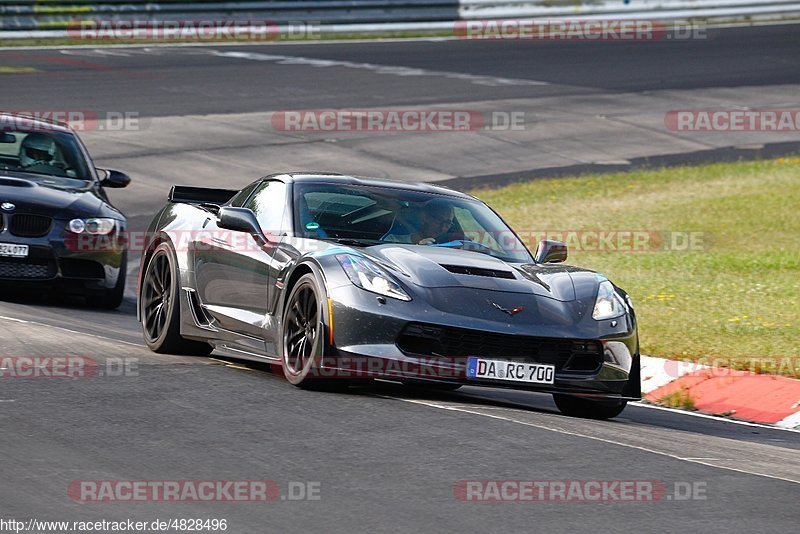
[(93, 226), (370, 276), (608, 304)]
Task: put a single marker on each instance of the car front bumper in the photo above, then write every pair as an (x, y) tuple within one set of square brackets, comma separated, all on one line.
[(59, 257), (369, 340)]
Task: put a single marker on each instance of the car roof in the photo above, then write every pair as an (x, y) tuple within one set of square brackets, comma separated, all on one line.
[(36, 123), (334, 178)]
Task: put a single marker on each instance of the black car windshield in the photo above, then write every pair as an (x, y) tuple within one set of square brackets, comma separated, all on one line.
[(370, 215), (50, 157)]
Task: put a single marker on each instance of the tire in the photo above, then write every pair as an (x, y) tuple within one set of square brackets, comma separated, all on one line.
[(303, 336), (588, 409), (430, 385), (110, 299), (159, 307)]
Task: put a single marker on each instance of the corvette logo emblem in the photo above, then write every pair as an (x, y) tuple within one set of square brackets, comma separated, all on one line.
[(7, 206), (512, 311)]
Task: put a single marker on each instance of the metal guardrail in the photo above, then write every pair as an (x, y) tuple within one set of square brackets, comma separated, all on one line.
[(33, 15), (493, 9), (50, 18)]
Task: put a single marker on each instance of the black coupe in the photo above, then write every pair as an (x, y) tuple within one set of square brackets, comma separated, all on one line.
[(339, 279), (57, 226)]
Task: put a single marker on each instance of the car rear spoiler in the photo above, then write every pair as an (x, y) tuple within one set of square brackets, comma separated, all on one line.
[(185, 194)]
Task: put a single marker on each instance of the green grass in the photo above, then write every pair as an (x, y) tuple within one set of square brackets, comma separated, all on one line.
[(678, 399), (737, 297)]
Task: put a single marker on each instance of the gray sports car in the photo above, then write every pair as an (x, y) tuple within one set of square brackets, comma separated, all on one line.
[(340, 279)]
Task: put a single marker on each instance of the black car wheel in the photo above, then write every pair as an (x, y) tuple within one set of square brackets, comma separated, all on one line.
[(303, 335), (589, 409), (160, 307)]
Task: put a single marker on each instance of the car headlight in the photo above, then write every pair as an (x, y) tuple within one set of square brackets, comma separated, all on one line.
[(608, 305), (93, 226), (370, 276)]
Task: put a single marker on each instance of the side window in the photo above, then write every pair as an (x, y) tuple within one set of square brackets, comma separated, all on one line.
[(242, 196), (269, 205)]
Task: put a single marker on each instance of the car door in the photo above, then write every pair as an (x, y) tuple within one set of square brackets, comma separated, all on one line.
[(232, 269)]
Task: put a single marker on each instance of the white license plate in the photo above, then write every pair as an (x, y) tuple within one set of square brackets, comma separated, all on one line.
[(531, 373), (13, 251)]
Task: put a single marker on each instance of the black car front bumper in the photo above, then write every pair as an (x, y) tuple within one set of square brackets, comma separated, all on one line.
[(393, 339), (59, 257)]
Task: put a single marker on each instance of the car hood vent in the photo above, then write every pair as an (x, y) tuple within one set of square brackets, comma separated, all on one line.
[(479, 271), (13, 182)]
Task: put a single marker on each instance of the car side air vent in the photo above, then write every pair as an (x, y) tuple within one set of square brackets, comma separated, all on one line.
[(199, 314), (477, 271)]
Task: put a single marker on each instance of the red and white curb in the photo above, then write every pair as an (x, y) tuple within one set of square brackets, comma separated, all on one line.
[(759, 398)]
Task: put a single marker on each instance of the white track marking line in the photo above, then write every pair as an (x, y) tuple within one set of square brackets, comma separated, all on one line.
[(71, 331), (12, 319), (586, 436), (491, 81), (667, 409), (237, 44)]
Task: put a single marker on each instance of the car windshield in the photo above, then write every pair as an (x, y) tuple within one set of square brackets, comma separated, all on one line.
[(49, 157), (369, 215)]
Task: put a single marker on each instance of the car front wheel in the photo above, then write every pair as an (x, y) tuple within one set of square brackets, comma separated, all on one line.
[(159, 307), (303, 334)]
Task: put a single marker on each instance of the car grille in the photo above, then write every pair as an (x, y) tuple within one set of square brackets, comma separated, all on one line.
[(27, 269), (27, 225), (571, 355)]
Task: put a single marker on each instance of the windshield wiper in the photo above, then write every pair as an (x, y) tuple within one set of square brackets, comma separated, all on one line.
[(473, 246), (350, 241)]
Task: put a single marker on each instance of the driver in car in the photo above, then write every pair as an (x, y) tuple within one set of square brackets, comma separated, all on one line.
[(436, 218), (38, 153)]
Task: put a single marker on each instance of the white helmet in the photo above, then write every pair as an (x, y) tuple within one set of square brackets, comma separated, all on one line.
[(37, 149)]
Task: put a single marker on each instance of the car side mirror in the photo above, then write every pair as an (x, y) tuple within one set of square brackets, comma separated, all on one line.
[(550, 252), (239, 220), (114, 179)]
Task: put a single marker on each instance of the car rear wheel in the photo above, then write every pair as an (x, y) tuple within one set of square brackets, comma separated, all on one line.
[(303, 336), (587, 408), (160, 307)]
